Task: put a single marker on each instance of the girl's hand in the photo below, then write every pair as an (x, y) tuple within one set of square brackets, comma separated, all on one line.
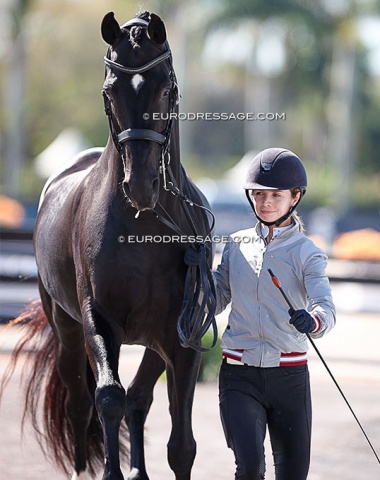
[(303, 321)]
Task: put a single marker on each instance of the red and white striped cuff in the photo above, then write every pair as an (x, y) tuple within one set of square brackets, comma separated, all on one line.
[(317, 323)]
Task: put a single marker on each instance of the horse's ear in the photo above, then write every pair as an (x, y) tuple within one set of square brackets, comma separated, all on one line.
[(156, 29), (110, 29)]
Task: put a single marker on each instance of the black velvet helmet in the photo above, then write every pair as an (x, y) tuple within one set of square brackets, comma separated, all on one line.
[(278, 169), (275, 169)]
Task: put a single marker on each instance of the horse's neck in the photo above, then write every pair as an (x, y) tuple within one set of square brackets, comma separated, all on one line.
[(111, 166)]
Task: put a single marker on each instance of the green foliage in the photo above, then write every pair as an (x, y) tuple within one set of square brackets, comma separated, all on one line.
[(210, 361)]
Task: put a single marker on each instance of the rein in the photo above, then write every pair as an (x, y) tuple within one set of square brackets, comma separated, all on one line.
[(199, 303)]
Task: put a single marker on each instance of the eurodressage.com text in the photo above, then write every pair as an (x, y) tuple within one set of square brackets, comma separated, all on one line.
[(180, 239), (215, 116)]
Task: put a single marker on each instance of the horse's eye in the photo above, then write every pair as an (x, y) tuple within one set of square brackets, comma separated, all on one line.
[(166, 92)]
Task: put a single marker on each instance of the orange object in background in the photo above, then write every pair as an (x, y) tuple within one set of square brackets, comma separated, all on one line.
[(357, 245), (12, 213)]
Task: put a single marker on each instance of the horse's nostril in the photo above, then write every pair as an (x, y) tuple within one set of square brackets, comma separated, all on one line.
[(155, 184), (142, 195), (126, 189)]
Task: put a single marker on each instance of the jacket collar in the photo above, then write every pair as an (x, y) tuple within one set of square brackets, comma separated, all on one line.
[(283, 232)]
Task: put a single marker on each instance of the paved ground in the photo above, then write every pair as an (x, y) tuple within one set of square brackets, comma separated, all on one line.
[(340, 451)]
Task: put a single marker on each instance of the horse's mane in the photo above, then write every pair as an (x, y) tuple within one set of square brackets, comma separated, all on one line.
[(143, 15), (136, 31)]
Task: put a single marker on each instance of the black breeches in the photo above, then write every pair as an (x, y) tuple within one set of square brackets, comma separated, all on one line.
[(252, 399)]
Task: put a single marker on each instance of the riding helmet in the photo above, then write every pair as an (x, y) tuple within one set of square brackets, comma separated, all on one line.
[(277, 169)]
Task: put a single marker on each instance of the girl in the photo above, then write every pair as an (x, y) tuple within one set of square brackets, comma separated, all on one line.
[(264, 380)]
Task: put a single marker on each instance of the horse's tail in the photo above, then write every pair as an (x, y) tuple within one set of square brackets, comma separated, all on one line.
[(44, 388)]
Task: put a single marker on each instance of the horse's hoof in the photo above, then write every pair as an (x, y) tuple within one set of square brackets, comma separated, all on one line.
[(135, 474), (80, 476)]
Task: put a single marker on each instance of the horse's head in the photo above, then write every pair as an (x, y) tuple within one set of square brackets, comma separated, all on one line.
[(140, 94)]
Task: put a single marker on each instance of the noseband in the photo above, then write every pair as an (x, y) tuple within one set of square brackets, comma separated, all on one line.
[(162, 139)]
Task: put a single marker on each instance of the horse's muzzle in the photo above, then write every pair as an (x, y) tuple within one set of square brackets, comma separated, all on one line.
[(142, 195)]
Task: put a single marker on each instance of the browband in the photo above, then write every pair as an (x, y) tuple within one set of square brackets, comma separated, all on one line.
[(133, 70)]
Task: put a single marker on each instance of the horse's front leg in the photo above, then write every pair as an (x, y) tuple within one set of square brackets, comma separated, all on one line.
[(182, 373), (103, 342), (139, 400)]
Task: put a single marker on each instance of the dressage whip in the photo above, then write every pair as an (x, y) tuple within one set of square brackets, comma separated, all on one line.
[(277, 284)]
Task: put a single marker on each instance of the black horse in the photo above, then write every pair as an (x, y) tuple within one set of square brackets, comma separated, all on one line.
[(106, 279)]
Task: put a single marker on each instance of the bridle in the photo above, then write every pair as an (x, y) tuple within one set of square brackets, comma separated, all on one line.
[(199, 293), (163, 138)]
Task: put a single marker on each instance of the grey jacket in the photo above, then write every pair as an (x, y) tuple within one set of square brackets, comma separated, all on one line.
[(259, 318)]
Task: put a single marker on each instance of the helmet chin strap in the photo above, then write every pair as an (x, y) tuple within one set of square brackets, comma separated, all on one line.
[(277, 222)]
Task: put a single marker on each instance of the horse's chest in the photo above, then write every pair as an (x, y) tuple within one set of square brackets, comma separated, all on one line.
[(138, 284)]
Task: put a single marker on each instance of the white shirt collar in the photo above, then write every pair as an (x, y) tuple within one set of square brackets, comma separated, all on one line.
[(277, 231)]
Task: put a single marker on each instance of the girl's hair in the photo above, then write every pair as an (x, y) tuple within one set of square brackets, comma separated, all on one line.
[(295, 215)]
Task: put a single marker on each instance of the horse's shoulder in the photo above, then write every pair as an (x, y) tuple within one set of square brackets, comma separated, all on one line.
[(81, 163)]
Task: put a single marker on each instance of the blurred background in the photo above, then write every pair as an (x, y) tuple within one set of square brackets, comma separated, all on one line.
[(310, 69)]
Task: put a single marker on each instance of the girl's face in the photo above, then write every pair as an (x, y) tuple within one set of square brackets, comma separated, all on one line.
[(270, 205)]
